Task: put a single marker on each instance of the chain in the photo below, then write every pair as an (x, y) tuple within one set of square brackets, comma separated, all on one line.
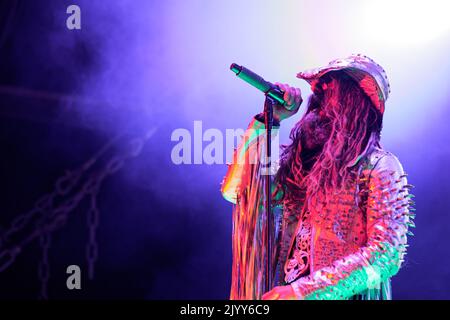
[(63, 186), (44, 266), (134, 149), (93, 216), (51, 211)]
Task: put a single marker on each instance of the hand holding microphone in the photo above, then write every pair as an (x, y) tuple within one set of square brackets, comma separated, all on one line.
[(293, 98), (288, 98)]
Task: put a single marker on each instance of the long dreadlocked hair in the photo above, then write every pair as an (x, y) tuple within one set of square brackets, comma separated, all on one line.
[(349, 119)]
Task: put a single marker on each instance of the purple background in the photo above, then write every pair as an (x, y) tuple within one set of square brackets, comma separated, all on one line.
[(165, 231)]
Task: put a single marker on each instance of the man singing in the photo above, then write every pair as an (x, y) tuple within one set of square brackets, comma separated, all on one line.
[(341, 202)]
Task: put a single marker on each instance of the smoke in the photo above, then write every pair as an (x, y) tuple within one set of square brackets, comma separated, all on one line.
[(137, 65)]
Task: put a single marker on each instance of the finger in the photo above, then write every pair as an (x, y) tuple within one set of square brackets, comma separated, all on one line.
[(274, 296), (267, 296), (290, 101), (287, 94), (285, 91), (298, 95), (293, 95), (280, 85), (299, 92), (297, 99)]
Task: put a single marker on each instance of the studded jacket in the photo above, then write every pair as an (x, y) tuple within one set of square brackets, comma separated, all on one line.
[(345, 250)]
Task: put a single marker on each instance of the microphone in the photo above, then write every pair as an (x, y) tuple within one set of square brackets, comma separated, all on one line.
[(259, 83)]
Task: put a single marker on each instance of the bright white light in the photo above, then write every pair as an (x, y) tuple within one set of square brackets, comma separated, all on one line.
[(406, 22)]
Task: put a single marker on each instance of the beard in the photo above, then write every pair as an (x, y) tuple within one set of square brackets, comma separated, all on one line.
[(315, 128)]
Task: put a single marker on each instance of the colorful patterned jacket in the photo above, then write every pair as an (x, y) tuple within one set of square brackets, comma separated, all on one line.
[(346, 250)]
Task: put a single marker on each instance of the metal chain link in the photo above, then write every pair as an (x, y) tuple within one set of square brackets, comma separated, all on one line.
[(93, 217), (48, 215), (44, 266)]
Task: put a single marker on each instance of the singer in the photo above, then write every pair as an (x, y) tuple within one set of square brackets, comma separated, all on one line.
[(341, 203)]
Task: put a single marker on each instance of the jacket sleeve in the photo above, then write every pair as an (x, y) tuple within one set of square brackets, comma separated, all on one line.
[(248, 153), (243, 186), (388, 219)]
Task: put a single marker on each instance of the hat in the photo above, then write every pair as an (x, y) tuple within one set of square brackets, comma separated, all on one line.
[(370, 76)]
